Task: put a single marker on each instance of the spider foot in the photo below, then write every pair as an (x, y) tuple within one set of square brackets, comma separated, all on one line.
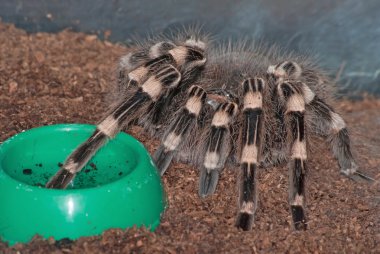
[(355, 174), (60, 180), (299, 219), (359, 176), (244, 221), (207, 182), (162, 159)]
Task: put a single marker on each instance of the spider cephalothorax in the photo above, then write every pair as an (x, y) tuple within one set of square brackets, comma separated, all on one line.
[(232, 106)]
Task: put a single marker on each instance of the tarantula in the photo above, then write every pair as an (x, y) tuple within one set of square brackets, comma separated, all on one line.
[(230, 105)]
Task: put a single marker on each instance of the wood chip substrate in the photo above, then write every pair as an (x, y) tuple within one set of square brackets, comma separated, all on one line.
[(64, 78)]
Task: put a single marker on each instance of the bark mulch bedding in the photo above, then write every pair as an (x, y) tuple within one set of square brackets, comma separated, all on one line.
[(63, 78)]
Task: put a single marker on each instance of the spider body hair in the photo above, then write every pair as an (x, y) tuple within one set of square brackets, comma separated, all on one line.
[(234, 105)]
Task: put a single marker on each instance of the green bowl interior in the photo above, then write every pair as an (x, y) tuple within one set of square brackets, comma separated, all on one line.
[(35, 157)]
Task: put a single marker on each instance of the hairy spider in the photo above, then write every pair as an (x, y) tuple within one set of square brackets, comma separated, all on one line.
[(226, 106)]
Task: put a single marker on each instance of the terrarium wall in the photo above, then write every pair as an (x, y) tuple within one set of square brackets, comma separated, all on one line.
[(343, 34)]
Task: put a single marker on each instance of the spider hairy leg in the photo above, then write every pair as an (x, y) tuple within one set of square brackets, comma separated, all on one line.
[(178, 131), (293, 97), (285, 70), (138, 65), (334, 129), (133, 67), (190, 59), (250, 153), (139, 75), (165, 78), (77, 160), (218, 148)]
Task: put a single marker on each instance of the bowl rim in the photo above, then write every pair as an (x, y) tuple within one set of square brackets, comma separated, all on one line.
[(143, 160)]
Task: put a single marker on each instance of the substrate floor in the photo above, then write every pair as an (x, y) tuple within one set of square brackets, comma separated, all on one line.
[(63, 78)]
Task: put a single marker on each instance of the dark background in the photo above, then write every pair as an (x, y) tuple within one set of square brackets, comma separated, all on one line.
[(343, 34)]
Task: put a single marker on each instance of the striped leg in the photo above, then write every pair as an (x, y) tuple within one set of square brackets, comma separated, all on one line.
[(165, 78), (189, 59), (180, 128), (137, 64), (218, 148), (328, 123), (294, 100), (191, 62), (139, 75), (251, 147)]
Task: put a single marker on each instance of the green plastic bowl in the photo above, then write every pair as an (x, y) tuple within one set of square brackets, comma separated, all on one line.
[(118, 188)]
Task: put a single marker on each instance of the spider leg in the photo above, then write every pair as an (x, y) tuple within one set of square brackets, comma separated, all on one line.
[(133, 67), (325, 121), (190, 62), (292, 96), (179, 130), (189, 59), (329, 124), (250, 152), (218, 148), (166, 77)]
